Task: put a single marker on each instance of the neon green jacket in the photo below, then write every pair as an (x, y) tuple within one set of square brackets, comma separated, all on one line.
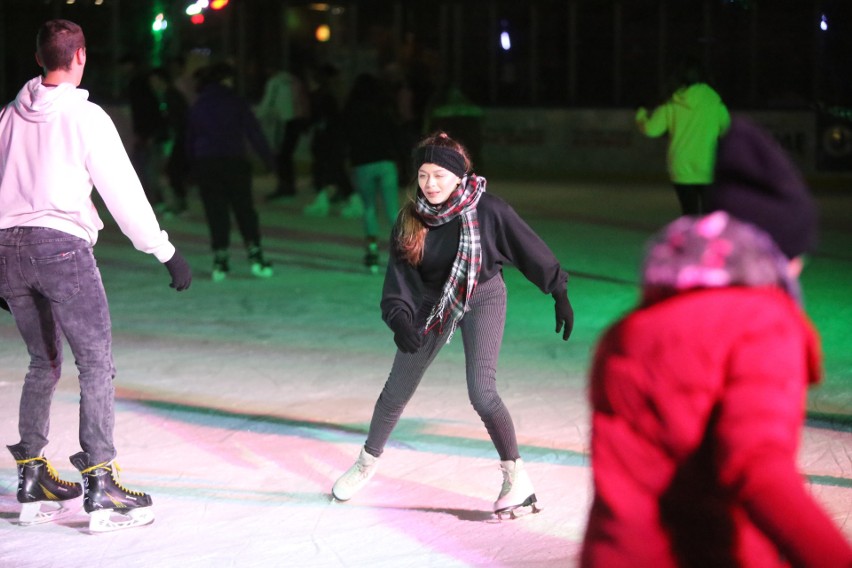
[(694, 118)]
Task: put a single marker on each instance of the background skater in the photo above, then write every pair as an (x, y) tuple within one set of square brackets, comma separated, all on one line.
[(694, 117)]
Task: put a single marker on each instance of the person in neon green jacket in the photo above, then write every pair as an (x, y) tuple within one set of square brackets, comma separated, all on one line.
[(694, 118)]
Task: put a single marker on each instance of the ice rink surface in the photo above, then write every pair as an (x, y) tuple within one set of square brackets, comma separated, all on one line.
[(239, 403)]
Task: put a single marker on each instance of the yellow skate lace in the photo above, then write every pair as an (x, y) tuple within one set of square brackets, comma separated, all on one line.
[(50, 470), (113, 471)]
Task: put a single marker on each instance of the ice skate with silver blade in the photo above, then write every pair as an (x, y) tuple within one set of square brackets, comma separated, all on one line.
[(43, 496), (356, 477), (110, 505), (517, 496)]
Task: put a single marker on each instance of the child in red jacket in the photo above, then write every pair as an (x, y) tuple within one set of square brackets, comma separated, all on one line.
[(698, 394)]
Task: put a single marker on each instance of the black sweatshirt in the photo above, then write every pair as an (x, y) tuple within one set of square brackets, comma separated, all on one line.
[(505, 239)]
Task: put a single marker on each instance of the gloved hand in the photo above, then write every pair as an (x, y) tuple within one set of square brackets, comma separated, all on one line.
[(180, 272), (564, 314), (4, 305), (405, 335)]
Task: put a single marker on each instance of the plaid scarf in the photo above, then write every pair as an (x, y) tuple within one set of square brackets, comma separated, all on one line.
[(464, 273)]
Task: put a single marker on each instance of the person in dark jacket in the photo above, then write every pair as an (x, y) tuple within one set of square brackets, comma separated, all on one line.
[(329, 174), (221, 127), (445, 272), (373, 157)]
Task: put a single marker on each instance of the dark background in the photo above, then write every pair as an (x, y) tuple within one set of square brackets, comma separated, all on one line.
[(761, 54)]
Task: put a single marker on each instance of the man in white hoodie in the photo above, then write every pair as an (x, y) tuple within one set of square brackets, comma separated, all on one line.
[(55, 146)]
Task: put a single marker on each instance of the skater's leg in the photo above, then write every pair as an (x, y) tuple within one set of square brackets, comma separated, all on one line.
[(388, 180), (482, 334), (34, 319), (214, 198), (406, 372), (365, 181), (691, 198), (241, 201), (85, 321)]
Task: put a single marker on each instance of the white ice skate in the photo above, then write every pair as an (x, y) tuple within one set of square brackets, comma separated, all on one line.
[(320, 206), (356, 477), (517, 496), (354, 208)]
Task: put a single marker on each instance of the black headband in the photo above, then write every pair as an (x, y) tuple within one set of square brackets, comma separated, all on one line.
[(447, 158)]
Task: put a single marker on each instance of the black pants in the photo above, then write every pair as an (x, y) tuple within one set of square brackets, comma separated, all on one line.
[(692, 197), (285, 167), (224, 185), (482, 334)]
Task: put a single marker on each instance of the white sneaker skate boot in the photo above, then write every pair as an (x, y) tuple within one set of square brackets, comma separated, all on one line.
[(320, 206), (356, 477), (517, 490), (354, 208), (43, 496)]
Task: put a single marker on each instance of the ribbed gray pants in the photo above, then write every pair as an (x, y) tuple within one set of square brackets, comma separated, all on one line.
[(482, 334)]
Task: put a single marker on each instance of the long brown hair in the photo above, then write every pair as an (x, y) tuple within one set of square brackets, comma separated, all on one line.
[(410, 229)]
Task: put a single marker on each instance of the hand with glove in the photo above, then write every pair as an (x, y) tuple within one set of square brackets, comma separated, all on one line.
[(564, 314), (405, 335), (180, 272)]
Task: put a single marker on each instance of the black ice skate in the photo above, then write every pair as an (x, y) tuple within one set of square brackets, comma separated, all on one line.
[(517, 496), (371, 258), (43, 496), (220, 265), (260, 267), (110, 505)]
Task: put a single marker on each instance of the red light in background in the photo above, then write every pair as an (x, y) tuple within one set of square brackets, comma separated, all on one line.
[(197, 19)]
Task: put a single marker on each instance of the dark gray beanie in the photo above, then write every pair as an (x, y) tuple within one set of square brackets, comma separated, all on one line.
[(757, 182)]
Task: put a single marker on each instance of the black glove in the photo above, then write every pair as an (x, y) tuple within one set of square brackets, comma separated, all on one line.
[(4, 305), (180, 272), (405, 335), (564, 314)]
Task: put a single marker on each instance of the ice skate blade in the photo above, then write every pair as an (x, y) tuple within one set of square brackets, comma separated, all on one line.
[(48, 511), (108, 520), (529, 507)]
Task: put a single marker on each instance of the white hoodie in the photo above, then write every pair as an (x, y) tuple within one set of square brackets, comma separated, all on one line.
[(54, 146)]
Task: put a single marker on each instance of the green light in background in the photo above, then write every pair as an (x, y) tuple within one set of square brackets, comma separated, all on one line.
[(160, 23)]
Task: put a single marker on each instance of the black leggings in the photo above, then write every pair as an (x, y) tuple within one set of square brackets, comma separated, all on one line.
[(692, 197), (224, 185), (482, 334)]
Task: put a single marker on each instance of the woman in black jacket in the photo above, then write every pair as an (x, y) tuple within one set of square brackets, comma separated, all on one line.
[(449, 245)]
